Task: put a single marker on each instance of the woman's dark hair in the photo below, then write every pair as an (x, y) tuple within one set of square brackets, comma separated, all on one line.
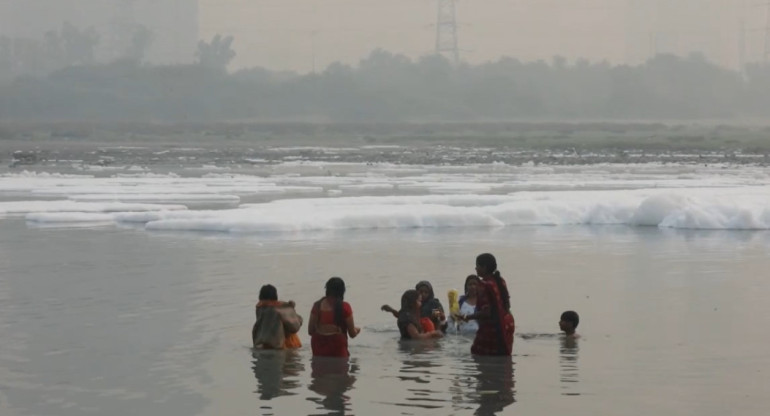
[(268, 292), (407, 313), (408, 299), (471, 277), (335, 288), (489, 263)]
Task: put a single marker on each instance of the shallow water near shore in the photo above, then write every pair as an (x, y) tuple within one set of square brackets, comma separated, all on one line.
[(117, 320)]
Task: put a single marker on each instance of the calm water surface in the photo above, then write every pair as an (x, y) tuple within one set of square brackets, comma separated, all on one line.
[(111, 321)]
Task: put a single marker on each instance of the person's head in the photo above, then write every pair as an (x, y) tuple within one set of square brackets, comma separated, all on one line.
[(471, 285), (569, 321), (486, 264), (411, 300), (268, 292), (335, 287), (425, 289)]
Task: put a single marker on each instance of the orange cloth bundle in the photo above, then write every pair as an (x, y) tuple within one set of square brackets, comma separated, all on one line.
[(427, 325)]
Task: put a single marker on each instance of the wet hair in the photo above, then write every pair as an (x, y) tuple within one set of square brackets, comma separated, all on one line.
[(489, 263), (407, 313), (268, 292), (571, 317), (471, 277), (335, 288), (408, 299)]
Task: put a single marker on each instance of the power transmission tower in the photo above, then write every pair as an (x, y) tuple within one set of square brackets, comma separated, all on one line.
[(446, 31), (742, 45)]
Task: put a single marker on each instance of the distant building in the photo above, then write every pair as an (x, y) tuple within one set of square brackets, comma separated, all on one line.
[(681, 27), (173, 24)]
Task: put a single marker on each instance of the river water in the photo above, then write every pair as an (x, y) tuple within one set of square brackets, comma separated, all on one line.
[(120, 318)]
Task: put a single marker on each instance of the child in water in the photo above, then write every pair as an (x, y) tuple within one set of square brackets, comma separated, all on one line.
[(568, 323)]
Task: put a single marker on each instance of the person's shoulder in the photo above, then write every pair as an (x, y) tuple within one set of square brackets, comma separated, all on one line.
[(346, 307)]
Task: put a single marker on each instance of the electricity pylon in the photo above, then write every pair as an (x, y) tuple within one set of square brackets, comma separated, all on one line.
[(446, 31)]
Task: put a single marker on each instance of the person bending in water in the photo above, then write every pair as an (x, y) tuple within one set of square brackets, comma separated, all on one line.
[(277, 322), (331, 322), (568, 323), (408, 318), (431, 312)]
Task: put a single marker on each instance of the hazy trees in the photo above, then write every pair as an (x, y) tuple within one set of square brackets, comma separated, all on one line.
[(139, 44), (216, 54), (77, 46), (383, 87), (57, 49)]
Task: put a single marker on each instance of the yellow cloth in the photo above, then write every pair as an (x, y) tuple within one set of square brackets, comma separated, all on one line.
[(454, 304)]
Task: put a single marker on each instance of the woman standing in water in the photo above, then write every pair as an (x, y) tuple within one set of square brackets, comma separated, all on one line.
[(493, 311), (277, 323), (331, 322)]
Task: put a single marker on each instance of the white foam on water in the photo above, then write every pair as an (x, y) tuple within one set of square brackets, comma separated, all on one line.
[(24, 207), (660, 195)]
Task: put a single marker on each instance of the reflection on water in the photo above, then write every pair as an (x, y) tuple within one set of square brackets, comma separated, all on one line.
[(154, 325), (418, 366), (276, 372), (568, 364), (484, 385), (495, 384), (331, 378)]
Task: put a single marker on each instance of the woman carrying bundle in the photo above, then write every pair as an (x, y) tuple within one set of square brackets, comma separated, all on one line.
[(277, 322)]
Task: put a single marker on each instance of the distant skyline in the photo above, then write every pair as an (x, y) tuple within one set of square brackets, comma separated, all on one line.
[(296, 34), (303, 35), (173, 23)]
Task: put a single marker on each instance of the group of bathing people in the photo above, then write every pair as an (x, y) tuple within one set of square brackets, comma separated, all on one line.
[(483, 309)]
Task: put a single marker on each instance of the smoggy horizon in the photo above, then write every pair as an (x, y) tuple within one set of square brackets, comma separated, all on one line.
[(301, 35)]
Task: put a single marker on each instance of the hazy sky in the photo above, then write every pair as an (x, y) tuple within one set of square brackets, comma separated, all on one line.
[(296, 34), (284, 34)]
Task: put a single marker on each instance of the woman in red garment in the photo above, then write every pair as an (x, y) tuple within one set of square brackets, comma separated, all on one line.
[(331, 322), (493, 311)]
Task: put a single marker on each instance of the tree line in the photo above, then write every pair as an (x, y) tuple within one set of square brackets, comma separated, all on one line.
[(386, 87)]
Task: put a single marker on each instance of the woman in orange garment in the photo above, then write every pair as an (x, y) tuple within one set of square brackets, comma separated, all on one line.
[(277, 322), (331, 322)]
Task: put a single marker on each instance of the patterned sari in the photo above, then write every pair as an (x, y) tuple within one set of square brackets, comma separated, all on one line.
[(495, 334)]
